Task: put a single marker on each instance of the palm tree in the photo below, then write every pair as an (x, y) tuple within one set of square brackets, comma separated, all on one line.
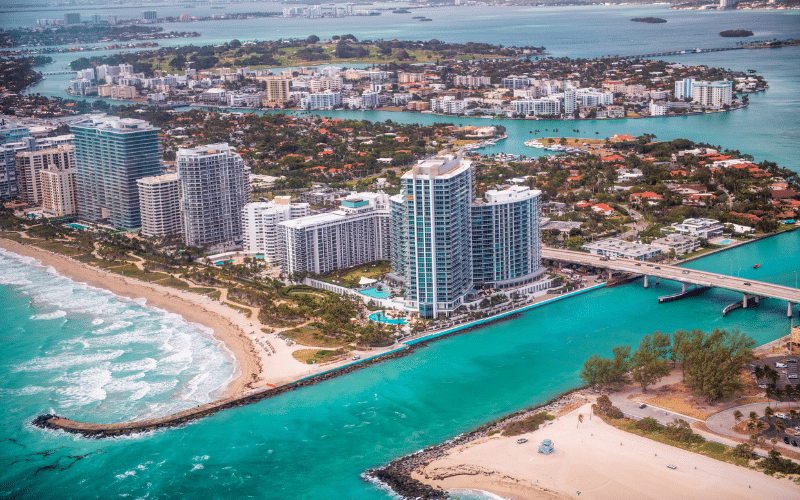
[(781, 425), (761, 425), (769, 412), (738, 415), (753, 416)]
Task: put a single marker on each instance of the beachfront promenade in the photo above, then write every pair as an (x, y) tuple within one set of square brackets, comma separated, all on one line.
[(747, 287)]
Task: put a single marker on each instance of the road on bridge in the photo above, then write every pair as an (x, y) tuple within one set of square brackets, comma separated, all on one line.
[(680, 274)]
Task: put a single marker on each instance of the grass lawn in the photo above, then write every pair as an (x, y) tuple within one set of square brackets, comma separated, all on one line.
[(134, 272), (215, 295), (11, 235), (351, 276), (288, 57), (310, 336), (174, 282), (58, 247), (246, 311), (313, 356)]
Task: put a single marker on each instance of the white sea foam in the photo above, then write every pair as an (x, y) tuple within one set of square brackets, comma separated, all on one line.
[(85, 386), (66, 361), (151, 361), (51, 315)]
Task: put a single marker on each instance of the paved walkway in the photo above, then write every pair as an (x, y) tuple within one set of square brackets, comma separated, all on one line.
[(631, 407)]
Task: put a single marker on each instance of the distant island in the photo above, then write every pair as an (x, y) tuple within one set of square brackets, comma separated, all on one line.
[(401, 11), (735, 33), (649, 20)]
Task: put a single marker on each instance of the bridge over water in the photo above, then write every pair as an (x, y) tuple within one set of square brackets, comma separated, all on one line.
[(680, 52), (750, 289)]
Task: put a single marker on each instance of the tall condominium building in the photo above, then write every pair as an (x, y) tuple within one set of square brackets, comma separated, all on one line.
[(12, 132), (435, 236), (277, 88), (214, 188), (550, 105), (715, 94), (355, 234), (159, 204), (59, 193), (9, 170), (506, 243), (260, 224), (111, 154), (683, 88), (30, 164)]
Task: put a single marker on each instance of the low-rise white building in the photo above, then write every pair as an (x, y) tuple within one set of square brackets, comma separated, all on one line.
[(616, 248), (681, 243), (702, 228)]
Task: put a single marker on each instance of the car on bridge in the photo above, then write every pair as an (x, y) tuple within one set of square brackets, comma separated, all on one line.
[(685, 272)]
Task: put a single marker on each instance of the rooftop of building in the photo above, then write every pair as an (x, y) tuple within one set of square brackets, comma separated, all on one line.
[(157, 179), (511, 194), (207, 150), (623, 247), (444, 166), (115, 124)]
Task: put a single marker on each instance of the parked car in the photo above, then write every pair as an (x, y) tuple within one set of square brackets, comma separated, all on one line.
[(642, 405), (356, 357), (670, 466), (791, 360), (780, 365), (785, 439)]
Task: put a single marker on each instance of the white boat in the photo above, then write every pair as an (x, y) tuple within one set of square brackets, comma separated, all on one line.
[(534, 143)]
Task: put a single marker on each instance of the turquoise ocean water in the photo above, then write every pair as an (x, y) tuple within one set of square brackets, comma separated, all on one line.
[(314, 442), (87, 355)]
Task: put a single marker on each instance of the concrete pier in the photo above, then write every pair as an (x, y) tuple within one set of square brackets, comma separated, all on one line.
[(645, 281), (683, 290)]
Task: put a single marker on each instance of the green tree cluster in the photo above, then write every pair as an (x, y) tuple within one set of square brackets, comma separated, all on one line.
[(710, 363)]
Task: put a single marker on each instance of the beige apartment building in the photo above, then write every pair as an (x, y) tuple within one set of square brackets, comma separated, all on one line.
[(31, 164)]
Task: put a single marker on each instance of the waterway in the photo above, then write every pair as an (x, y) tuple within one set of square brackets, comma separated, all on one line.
[(314, 442), (769, 129)]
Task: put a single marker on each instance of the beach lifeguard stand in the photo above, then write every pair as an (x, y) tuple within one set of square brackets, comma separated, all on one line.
[(546, 447)]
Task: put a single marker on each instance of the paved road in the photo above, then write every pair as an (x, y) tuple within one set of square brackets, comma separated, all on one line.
[(665, 271)]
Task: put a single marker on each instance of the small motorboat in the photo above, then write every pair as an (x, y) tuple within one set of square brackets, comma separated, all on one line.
[(756, 266)]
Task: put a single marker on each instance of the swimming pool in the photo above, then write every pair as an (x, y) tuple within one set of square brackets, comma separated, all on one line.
[(375, 293), (75, 225), (381, 318), (724, 242)]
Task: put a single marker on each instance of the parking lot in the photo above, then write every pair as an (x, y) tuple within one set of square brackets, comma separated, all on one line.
[(788, 375)]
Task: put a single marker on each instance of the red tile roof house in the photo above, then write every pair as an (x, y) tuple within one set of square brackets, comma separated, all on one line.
[(582, 204), (651, 197), (699, 199), (602, 208)]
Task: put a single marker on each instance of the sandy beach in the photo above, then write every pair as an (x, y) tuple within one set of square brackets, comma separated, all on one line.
[(261, 359), (596, 461)]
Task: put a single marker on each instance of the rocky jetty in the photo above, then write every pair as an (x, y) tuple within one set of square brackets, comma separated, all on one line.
[(50, 421)]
